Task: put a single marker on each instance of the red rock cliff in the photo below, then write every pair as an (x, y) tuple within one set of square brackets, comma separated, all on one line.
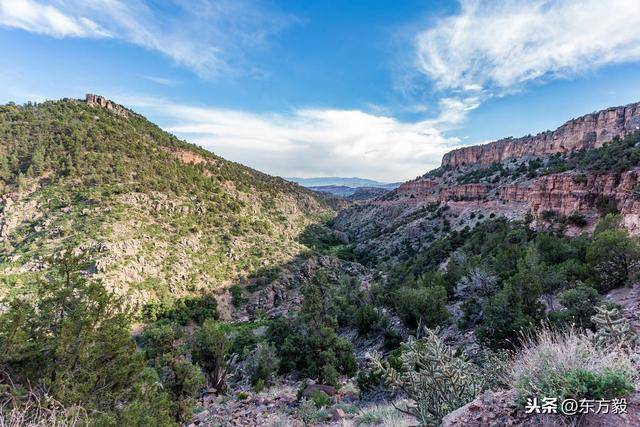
[(589, 131)]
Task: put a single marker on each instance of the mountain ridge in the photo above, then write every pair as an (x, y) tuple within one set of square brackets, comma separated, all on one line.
[(585, 132), (166, 219)]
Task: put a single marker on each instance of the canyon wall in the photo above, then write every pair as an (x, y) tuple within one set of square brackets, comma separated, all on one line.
[(588, 131)]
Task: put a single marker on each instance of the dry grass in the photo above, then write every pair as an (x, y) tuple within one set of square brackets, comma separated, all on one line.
[(29, 408), (550, 355)]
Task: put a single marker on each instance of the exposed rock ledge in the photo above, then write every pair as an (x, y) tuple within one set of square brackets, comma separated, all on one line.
[(100, 101)]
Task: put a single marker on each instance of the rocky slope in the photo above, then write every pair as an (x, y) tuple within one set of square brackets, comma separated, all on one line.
[(162, 218), (570, 176)]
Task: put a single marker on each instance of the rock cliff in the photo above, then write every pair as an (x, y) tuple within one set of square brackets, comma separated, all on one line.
[(100, 101), (586, 132)]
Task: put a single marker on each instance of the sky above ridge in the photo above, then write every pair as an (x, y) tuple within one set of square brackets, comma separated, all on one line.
[(369, 88)]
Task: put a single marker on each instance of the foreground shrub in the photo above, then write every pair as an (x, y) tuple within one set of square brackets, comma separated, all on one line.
[(434, 377), (570, 365)]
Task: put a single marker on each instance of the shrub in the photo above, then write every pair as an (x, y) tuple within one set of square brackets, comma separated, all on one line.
[(422, 306), (570, 365), (615, 258), (308, 343), (262, 364), (548, 215), (580, 305), (237, 296), (320, 398), (309, 413), (434, 377), (369, 380), (209, 348), (366, 318), (577, 219)]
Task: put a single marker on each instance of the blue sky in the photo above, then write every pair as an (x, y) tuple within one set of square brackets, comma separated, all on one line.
[(377, 89)]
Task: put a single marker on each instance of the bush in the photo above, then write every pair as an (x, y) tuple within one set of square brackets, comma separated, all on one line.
[(308, 343), (434, 377), (320, 398), (366, 318), (615, 258), (422, 306), (209, 348), (577, 219), (369, 380), (580, 303), (237, 296), (570, 365), (262, 364)]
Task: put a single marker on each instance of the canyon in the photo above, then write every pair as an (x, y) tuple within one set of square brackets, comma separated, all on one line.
[(508, 178)]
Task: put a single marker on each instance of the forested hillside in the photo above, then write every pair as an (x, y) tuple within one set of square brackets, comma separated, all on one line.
[(162, 218)]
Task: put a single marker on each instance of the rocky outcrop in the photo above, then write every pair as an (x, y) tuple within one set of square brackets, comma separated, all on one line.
[(417, 187), (102, 102), (465, 192), (589, 131), (572, 192)]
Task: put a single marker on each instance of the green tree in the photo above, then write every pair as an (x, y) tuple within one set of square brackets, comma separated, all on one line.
[(615, 258), (73, 341), (580, 305), (423, 305), (209, 348)]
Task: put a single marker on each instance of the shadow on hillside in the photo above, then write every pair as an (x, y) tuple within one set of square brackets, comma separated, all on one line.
[(270, 291)]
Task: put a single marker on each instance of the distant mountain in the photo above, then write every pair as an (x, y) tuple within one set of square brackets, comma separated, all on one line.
[(345, 182), (351, 193)]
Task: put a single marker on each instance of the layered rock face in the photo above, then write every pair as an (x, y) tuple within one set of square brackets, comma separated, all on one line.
[(586, 132)]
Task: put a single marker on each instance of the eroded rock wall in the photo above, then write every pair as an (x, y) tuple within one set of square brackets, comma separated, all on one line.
[(586, 132)]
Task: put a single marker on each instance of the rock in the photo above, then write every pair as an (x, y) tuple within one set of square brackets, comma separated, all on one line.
[(588, 131), (326, 389), (100, 101), (338, 414)]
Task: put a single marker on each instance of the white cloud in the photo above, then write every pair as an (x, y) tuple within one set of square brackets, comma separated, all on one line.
[(500, 45), (46, 19), (207, 36), (309, 142)]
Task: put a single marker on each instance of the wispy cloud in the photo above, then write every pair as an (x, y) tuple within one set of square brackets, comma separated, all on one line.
[(47, 19), (308, 142), (495, 47), (164, 81), (207, 36)]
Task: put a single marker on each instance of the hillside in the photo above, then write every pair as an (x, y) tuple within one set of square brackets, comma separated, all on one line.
[(162, 218), (569, 178)]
